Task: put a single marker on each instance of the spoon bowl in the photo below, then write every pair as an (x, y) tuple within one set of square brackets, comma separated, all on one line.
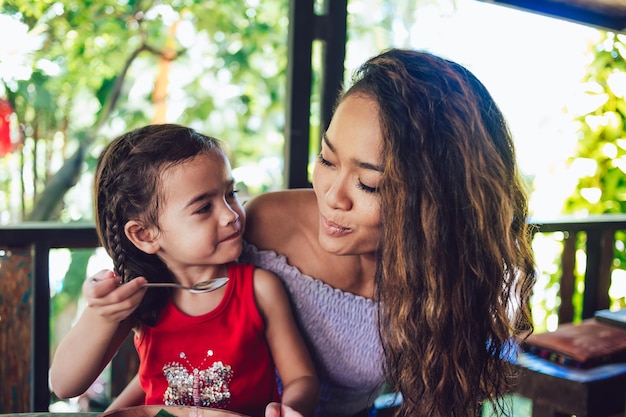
[(198, 288)]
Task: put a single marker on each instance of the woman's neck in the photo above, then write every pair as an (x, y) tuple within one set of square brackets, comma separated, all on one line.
[(351, 273)]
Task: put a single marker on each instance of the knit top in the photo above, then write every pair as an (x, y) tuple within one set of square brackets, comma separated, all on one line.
[(340, 329)]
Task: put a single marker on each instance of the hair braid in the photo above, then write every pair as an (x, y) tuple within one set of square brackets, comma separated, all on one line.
[(117, 251)]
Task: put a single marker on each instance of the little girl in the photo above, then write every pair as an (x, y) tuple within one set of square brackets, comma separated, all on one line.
[(167, 211)]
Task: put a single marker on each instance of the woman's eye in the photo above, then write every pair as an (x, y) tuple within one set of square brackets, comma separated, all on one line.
[(367, 188), (323, 161), (232, 194)]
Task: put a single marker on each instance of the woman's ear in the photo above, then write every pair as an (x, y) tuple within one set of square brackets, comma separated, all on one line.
[(144, 238)]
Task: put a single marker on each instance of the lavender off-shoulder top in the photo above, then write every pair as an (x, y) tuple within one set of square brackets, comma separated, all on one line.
[(340, 329)]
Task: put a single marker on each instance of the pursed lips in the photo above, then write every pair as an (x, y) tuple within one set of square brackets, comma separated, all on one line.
[(332, 228)]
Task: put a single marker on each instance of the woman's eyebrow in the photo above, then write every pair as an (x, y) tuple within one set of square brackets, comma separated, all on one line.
[(360, 164), (367, 165), (327, 142)]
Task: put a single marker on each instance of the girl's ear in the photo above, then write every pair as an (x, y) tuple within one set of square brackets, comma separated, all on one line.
[(143, 238)]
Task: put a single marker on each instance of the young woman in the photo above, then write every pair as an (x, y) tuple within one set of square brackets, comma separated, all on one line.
[(415, 230), (167, 210)]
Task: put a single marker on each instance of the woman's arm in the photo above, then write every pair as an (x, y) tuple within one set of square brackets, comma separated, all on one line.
[(97, 335), (291, 357)]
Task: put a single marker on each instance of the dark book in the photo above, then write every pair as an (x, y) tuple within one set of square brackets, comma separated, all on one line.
[(584, 345), (614, 318)]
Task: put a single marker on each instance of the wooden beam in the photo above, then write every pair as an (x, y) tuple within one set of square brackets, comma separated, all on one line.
[(603, 14), (334, 35), (305, 27), (298, 106)]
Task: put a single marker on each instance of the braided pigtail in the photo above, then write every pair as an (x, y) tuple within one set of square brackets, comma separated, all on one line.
[(113, 242)]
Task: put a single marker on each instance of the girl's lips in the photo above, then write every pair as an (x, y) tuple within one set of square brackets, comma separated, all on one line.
[(332, 228), (235, 235)]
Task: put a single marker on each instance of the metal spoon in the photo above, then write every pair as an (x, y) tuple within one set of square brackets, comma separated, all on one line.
[(200, 287)]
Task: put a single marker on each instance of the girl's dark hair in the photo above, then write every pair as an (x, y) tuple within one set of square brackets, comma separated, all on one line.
[(128, 187), (455, 269)]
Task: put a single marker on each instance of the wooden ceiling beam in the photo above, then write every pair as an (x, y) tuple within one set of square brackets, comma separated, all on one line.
[(607, 15)]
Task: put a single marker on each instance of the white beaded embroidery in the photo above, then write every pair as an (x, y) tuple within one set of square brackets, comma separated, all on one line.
[(200, 387)]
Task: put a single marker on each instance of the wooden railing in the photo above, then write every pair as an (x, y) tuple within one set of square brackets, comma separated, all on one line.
[(25, 294), (25, 308), (599, 248)]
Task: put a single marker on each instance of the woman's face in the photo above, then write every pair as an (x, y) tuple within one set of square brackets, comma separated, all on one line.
[(346, 179)]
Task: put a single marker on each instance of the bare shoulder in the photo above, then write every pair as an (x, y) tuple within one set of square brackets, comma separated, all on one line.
[(274, 217), (268, 289), (266, 279), (269, 203)]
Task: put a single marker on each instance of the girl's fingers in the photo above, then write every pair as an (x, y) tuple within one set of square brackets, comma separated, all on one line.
[(104, 292), (100, 284), (119, 304)]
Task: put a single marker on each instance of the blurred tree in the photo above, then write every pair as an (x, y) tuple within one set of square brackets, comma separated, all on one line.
[(599, 165), (600, 157), (95, 73)]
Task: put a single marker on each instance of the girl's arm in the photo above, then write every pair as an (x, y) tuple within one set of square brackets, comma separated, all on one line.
[(291, 357), (131, 395), (97, 335)]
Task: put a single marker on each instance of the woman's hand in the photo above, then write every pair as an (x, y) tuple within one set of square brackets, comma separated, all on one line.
[(112, 301), (280, 410)]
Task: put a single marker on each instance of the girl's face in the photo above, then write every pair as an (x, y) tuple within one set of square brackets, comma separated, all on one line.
[(346, 179), (200, 218)]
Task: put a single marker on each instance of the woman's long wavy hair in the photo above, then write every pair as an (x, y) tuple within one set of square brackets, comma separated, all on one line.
[(128, 187), (455, 269)]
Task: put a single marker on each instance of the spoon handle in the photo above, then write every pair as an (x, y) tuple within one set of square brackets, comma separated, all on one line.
[(163, 284)]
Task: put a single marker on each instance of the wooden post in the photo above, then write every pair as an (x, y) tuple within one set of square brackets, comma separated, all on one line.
[(16, 321)]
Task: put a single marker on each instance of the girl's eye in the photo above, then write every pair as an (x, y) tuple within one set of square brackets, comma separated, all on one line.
[(366, 188), (323, 161), (205, 209)]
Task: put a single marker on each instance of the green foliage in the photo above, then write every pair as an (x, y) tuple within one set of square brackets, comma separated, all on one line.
[(601, 146), (599, 163), (602, 140), (95, 63), (73, 281)]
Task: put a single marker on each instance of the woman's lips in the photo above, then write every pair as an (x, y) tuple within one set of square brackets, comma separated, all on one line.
[(333, 229)]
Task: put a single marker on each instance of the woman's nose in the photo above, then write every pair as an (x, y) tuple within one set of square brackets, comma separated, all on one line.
[(337, 195)]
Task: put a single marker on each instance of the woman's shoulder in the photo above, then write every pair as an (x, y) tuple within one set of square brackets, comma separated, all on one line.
[(285, 200), (275, 217)]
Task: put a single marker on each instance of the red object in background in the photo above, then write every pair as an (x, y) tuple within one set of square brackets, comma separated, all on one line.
[(6, 110)]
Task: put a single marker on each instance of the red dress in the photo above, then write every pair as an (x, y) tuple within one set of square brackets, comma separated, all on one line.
[(220, 359)]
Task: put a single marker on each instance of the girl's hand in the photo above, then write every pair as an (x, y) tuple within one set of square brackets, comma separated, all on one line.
[(112, 301), (280, 410)]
